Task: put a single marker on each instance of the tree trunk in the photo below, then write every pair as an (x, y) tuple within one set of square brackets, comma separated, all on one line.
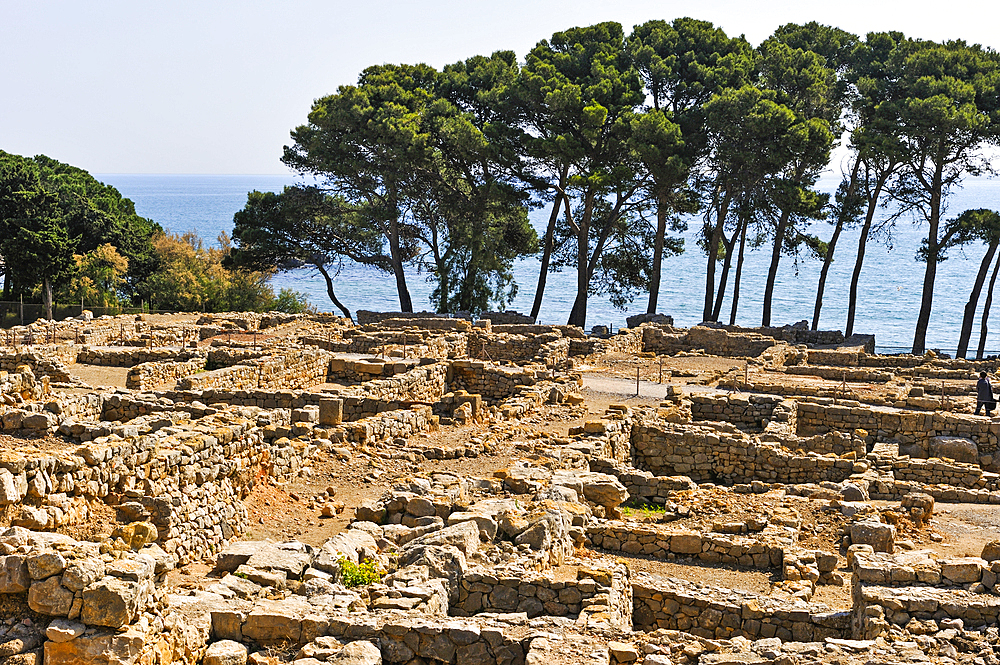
[(986, 312), (405, 304), (543, 272), (47, 295), (772, 271), (933, 249), (970, 307), (713, 256), (727, 263), (852, 299), (578, 316), (661, 232), (828, 259), (329, 291), (739, 274)]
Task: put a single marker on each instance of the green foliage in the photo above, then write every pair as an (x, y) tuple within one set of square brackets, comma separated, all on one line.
[(193, 278), (81, 214), (359, 574)]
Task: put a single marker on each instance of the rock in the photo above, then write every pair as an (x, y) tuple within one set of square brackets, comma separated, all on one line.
[(12, 488), (355, 545), (45, 565), (957, 448), (963, 570), (271, 621), (880, 536), (63, 630), (98, 648), (14, 576), (290, 558), (49, 597), (442, 561), (235, 555), (464, 536), (486, 524), (357, 653), (225, 652), (136, 534), (622, 652), (370, 512), (852, 492), (81, 573), (111, 602), (991, 550)]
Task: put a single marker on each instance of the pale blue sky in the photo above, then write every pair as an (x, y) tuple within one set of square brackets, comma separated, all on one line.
[(215, 87)]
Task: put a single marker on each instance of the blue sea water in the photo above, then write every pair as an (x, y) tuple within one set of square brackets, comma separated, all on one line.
[(889, 290)]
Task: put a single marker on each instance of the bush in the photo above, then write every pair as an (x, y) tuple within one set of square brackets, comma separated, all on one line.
[(354, 574)]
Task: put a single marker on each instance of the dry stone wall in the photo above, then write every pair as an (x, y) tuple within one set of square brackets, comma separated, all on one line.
[(714, 613)]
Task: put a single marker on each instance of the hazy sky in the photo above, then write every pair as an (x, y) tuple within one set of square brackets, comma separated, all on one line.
[(215, 87)]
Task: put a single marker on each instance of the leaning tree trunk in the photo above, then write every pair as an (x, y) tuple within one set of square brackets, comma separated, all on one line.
[(772, 271), (832, 246), (543, 272), (852, 299), (727, 263), (970, 307), (713, 257), (930, 273), (739, 274), (661, 232), (329, 291), (986, 312), (578, 315)]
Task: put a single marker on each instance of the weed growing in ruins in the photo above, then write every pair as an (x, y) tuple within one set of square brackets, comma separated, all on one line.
[(644, 510), (354, 574)]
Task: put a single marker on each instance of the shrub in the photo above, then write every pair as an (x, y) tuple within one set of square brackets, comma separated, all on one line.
[(359, 574)]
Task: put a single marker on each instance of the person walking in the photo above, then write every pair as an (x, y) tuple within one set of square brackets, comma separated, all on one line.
[(984, 395)]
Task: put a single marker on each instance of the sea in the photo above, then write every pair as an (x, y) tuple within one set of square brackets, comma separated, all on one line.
[(888, 293)]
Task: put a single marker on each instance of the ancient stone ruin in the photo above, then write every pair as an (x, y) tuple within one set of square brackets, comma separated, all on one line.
[(240, 488)]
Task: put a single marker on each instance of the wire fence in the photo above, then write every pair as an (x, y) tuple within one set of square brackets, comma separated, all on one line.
[(14, 313)]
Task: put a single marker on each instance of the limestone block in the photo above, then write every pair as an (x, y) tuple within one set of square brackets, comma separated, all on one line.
[(880, 536), (226, 652), (49, 597), (14, 576), (963, 570), (45, 565), (331, 411), (956, 448), (111, 602), (63, 630)]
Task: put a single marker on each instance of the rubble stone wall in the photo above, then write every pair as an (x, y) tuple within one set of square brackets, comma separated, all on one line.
[(538, 594), (147, 376), (707, 454), (726, 613), (291, 369), (748, 412), (494, 383)]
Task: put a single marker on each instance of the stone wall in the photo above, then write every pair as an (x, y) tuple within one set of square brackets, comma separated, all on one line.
[(714, 341), (715, 613), (536, 594), (42, 363), (750, 413), (184, 480), (907, 428), (764, 550), (546, 348), (494, 383), (717, 455), (289, 369), (147, 376), (117, 356)]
